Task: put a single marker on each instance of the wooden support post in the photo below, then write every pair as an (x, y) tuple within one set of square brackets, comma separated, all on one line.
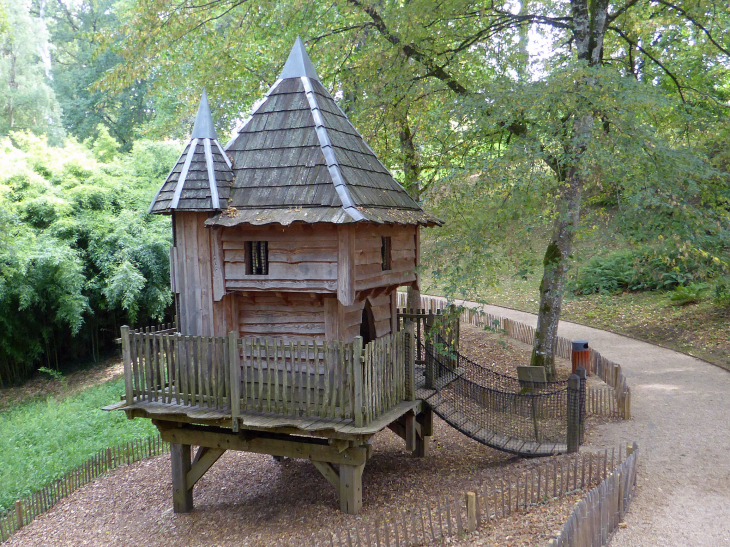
[(235, 367), (410, 329), (431, 372), (357, 370), (581, 372), (471, 511), (351, 488), (427, 421), (127, 360), (423, 441), (182, 496), (573, 440), (410, 430)]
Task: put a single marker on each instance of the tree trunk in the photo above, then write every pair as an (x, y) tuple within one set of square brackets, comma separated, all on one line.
[(588, 32), (555, 269), (411, 171)]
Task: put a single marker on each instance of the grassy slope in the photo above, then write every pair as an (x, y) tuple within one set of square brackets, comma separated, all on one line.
[(702, 329), (42, 439)]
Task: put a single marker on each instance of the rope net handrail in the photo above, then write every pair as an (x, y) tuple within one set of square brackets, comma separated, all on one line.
[(485, 376), (506, 408)]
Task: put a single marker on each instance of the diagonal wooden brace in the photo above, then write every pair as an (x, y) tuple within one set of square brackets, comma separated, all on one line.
[(329, 473), (203, 461)]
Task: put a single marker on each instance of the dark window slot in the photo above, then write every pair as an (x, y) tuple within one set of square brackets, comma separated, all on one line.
[(385, 252), (257, 257)]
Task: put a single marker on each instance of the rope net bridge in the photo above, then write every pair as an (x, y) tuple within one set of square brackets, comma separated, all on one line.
[(523, 418)]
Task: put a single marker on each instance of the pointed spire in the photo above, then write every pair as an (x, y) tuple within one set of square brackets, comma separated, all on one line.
[(204, 128), (298, 64)]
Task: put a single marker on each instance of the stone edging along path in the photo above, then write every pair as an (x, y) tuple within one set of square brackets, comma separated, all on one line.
[(681, 420)]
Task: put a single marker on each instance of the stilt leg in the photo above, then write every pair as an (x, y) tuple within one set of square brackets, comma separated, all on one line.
[(182, 497), (351, 488), (423, 441), (409, 420)]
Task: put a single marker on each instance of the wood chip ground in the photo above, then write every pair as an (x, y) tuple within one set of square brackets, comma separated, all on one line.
[(251, 500)]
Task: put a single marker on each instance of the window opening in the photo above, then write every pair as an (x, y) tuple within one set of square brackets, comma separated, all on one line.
[(257, 258), (385, 252)]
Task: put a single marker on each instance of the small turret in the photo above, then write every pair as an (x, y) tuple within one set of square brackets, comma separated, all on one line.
[(201, 179)]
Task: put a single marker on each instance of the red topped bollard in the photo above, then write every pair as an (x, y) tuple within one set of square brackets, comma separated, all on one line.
[(581, 356)]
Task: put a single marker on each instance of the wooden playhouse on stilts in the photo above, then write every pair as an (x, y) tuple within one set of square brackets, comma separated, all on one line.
[(289, 245)]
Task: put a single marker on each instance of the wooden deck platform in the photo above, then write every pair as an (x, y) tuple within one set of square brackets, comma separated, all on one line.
[(267, 421)]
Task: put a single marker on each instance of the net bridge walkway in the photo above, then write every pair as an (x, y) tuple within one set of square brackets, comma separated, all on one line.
[(492, 408)]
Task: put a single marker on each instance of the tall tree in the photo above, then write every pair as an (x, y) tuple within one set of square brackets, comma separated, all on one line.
[(79, 59), (28, 102), (583, 25)]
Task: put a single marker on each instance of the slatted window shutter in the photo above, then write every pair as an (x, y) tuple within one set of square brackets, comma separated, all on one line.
[(385, 252), (257, 257)]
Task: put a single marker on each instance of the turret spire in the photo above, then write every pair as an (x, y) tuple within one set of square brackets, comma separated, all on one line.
[(298, 64), (204, 128)]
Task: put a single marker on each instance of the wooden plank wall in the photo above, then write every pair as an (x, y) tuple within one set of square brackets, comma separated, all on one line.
[(368, 260), (293, 315), (197, 280), (302, 316), (194, 274), (292, 300), (302, 258), (343, 322)]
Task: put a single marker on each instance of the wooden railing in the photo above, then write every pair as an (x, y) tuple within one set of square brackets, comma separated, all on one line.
[(334, 380), (388, 371), (175, 369), (297, 378)]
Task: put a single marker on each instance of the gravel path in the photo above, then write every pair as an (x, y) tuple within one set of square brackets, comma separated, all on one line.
[(681, 419)]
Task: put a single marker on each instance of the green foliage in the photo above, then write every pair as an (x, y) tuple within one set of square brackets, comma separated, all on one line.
[(721, 293), (607, 275), (689, 294), (79, 255), (644, 268), (43, 439), (51, 373), (110, 120), (26, 98)]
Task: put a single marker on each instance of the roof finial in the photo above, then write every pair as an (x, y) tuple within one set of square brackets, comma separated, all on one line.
[(204, 128), (298, 64)]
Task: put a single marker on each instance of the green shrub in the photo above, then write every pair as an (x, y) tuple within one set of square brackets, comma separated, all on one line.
[(79, 255), (690, 294), (641, 269), (606, 275), (722, 292)]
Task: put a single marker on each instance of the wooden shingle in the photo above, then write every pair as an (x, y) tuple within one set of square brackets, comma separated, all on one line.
[(298, 158), (201, 178)]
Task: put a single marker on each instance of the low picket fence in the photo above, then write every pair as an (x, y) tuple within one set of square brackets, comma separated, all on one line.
[(463, 513), (614, 400), (28, 508), (596, 517)]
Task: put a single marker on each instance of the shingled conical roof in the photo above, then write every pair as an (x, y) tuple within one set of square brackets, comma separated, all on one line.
[(201, 179), (298, 158)]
